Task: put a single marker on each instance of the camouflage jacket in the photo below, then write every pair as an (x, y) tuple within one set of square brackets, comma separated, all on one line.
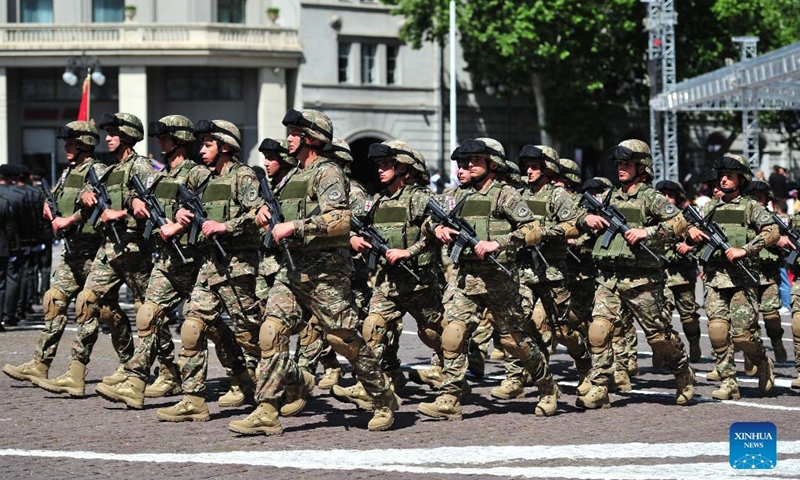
[(270, 261), (82, 237)]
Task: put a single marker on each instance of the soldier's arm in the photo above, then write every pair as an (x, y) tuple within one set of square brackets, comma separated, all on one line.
[(763, 223), (419, 202), (332, 194), (670, 225), (525, 231), (565, 215), (249, 200), (144, 170)]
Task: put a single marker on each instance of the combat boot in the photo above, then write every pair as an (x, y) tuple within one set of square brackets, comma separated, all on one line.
[(685, 386), (584, 385), (264, 420), (729, 390), (508, 389), (296, 394), (766, 375), (355, 395), (27, 371), (71, 382), (622, 382), (330, 378), (796, 383), (166, 384), (445, 406), (633, 366), (548, 399), (596, 398), (750, 368), (383, 416), (240, 390), (778, 350), (130, 392), (497, 355), (713, 376), (190, 408), (431, 377), (118, 376), (695, 354)]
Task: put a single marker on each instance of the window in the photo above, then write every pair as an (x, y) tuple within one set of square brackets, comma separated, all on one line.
[(368, 74), (36, 11), (391, 64), (108, 11), (204, 84), (344, 62), (230, 11)]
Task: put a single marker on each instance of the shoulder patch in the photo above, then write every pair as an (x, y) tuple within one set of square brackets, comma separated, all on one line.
[(522, 210), (251, 193), (335, 194)]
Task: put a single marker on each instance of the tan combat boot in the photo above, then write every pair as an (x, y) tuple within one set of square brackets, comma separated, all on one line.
[(71, 382), (190, 408), (264, 420), (548, 399), (118, 376), (596, 398), (166, 384), (685, 386), (508, 389), (796, 382), (713, 376), (383, 416), (766, 376), (27, 371), (130, 392), (622, 382), (431, 377), (445, 406), (695, 354), (729, 390), (497, 355), (584, 385), (330, 378), (241, 388), (633, 366), (355, 395), (295, 400)]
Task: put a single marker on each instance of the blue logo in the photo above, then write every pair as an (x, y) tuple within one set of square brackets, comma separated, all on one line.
[(754, 445)]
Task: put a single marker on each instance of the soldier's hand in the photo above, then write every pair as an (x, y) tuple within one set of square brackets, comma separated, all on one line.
[(140, 208), (263, 216), (109, 215), (635, 235), (571, 241), (88, 199), (445, 234), (46, 213), (484, 248), (683, 248), (283, 230), (61, 223), (596, 222), (697, 235), (184, 217), (396, 254), (169, 230), (784, 242), (359, 245), (211, 228), (734, 254)]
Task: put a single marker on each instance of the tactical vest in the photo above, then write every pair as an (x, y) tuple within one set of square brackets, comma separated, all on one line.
[(167, 193), (478, 212), (68, 195), (219, 201), (392, 220), (733, 224), (620, 253), (554, 250), (117, 187)]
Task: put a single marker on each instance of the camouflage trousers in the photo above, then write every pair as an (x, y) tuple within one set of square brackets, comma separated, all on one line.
[(682, 298), (581, 292), (112, 266), (625, 343), (320, 287), (769, 297), (796, 323), (737, 307), (643, 297), (480, 340), (68, 278)]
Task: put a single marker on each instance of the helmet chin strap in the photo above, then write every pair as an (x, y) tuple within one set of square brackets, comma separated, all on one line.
[(728, 190)]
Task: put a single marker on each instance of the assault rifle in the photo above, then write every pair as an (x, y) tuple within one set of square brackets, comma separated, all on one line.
[(794, 237), (276, 217), (158, 217), (716, 237), (51, 202), (466, 236), (103, 202), (199, 215), (615, 219), (379, 246)]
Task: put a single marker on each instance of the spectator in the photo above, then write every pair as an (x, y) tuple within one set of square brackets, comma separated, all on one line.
[(778, 182)]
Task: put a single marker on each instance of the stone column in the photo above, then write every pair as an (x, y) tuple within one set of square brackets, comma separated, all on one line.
[(4, 150), (133, 98), (271, 108)]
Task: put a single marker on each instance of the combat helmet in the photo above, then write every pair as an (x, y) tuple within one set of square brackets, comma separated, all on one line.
[(222, 131), (734, 163), (759, 186), (83, 132), (541, 152), (635, 151), (313, 123), (128, 125), (570, 170), (278, 147), (339, 150), (180, 128), (398, 150), (420, 168), (485, 147), (596, 184)]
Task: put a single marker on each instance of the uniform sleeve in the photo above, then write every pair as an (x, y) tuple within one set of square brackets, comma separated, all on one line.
[(331, 192), (670, 223), (565, 216), (143, 169), (525, 231), (418, 205), (248, 199), (767, 231)]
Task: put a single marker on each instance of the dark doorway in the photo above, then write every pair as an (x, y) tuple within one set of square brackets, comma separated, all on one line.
[(363, 168)]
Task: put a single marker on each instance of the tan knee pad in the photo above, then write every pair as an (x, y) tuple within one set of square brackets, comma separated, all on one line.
[(50, 302), (600, 333), (718, 332), (662, 345), (374, 329), (86, 307), (111, 314), (146, 318), (453, 339), (796, 328), (514, 348), (273, 337), (431, 338), (539, 318), (192, 335), (345, 342)]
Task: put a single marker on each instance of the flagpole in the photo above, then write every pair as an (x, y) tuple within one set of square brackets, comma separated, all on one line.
[(89, 94)]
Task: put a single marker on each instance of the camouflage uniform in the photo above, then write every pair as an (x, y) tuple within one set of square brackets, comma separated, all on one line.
[(795, 224)]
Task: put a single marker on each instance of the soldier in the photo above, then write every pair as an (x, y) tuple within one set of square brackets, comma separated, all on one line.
[(784, 242), (7, 215), (629, 276), (227, 276), (397, 212), (30, 232), (15, 205), (80, 139), (504, 224), (26, 214), (317, 222), (128, 261)]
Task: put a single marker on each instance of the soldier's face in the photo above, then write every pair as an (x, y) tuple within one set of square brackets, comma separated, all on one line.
[(761, 198), (626, 170), (386, 171), (112, 140), (293, 138), (478, 166), (71, 149), (208, 149), (729, 180), (271, 163), (165, 143), (534, 169), (463, 172)]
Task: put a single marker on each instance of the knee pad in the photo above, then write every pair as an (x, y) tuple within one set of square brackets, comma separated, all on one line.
[(718, 332), (346, 343), (111, 314), (310, 333), (600, 333), (453, 339), (86, 306), (374, 329), (137, 304), (663, 345), (539, 318), (796, 328), (431, 338), (517, 350), (50, 302), (146, 319), (192, 335), (273, 338)]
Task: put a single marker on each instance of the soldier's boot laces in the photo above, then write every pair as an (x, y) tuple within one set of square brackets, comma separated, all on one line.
[(778, 350), (685, 386), (355, 395), (383, 414), (297, 394), (766, 376), (191, 408), (130, 392), (508, 389), (118, 376), (445, 406), (729, 390), (166, 384), (695, 353), (431, 377), (713, 376), (622, 382), (27, 371), (240, 390), (72, 382), (330, 378), (263, 421), (597, 397), (548, 399), (750, 368)]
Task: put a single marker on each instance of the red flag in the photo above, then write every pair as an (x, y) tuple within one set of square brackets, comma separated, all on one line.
[(83, 111)]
